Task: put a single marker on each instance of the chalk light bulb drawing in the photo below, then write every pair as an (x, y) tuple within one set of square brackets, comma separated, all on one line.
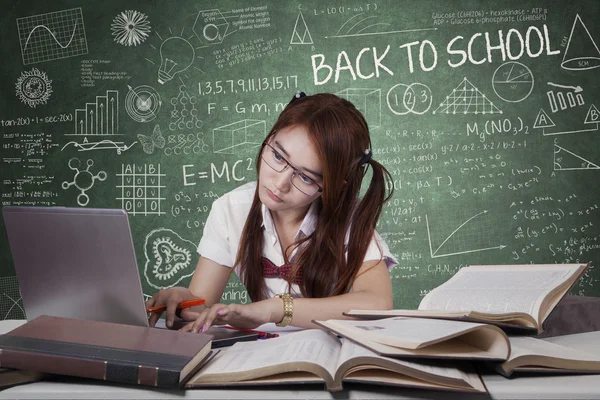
[(176, 55)]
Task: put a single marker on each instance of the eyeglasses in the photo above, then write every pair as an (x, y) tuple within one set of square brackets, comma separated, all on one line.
[(277, 162)]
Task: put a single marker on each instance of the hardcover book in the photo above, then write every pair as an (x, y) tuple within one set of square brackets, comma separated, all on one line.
[(103, 350), (514, 297)]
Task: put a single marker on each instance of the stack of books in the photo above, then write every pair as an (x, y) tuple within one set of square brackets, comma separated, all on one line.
[(483, 315)]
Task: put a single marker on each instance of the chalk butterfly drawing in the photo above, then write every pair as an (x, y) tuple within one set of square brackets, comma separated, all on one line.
[(149, 143)]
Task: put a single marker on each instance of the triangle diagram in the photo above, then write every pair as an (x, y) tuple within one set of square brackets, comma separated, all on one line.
[(582, 52), (593, 115), (467, 99), (543, 120), (301, 34), (565, 160)]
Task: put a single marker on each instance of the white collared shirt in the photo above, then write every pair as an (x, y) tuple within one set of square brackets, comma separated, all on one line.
[(225, 223)]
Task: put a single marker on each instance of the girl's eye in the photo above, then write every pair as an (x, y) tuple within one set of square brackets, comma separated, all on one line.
[(305, 179), (277, 156)]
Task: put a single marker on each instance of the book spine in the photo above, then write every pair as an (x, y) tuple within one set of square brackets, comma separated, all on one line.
[(95, 368)]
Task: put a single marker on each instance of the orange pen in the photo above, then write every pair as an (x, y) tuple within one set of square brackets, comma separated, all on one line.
[(180, 306)]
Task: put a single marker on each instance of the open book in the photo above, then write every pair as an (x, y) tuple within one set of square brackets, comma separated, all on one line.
[(516, 297), (535, 355), (315, 356), (403, 337)]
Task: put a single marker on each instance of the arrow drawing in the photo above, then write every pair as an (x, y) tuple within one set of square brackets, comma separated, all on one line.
[(577, 89)]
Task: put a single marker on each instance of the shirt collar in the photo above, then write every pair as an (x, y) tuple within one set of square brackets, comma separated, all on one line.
[(307, 227)]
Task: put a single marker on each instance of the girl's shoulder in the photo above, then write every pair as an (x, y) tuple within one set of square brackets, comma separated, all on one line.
[(239, 198)]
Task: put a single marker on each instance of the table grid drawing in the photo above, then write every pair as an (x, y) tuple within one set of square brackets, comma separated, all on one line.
[(52, 36), (141, 190)]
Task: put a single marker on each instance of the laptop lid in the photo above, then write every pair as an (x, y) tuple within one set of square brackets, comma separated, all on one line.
[(76, 263)]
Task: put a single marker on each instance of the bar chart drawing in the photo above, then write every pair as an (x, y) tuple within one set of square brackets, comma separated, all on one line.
[(564, 99), (100, 117)]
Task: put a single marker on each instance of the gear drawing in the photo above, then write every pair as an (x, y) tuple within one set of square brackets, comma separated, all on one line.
[(33, 87)]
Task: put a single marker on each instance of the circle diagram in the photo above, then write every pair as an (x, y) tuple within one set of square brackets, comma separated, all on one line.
[(414, 98), (142, 103), (512, 82), (33, 87)]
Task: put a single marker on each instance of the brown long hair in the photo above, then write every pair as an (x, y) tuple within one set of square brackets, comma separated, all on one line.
[(340, 135)]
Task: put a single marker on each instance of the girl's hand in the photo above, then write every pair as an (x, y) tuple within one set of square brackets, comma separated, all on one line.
[(169, 297), (247, 316)]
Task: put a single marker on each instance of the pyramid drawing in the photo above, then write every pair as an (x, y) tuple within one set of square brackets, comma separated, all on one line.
[(582, 52), (565, 160), (301, 34), (467, 99)]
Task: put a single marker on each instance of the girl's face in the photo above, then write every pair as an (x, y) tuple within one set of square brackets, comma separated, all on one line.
[(297, 184)]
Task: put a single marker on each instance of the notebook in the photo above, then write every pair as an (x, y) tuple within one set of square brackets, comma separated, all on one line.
[(80, 263)]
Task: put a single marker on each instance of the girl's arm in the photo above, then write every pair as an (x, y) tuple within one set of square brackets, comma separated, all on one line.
[(372, 289), (208, 282)]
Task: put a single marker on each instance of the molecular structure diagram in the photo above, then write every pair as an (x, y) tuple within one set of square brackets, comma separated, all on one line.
[(83, 179)]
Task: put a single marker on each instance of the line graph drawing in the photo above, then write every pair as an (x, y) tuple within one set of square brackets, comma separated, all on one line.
[(566, 160), (467, 99), (434, 253), (361, 25), (52, 36)]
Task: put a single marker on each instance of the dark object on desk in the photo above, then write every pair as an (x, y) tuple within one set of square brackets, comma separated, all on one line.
[(103, 350), (227, 337), (11, 377), (574, 314), (221, 337)]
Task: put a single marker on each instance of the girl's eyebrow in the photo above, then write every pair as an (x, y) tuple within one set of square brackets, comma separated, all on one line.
[(315, 173)]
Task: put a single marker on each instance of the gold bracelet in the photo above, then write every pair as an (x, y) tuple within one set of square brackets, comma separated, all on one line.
[(288, 309)]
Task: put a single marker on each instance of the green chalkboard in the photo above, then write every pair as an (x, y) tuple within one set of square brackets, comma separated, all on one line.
[(485, 113)]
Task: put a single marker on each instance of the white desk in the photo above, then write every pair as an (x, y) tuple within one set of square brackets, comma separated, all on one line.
[(538, 387)]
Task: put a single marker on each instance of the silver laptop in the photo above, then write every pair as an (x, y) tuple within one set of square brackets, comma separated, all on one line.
[(76, 263)]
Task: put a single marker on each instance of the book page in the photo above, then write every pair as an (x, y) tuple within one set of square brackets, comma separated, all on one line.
[(311, 345), (405, 332), (521, 345), (498, 289), (441, 368)]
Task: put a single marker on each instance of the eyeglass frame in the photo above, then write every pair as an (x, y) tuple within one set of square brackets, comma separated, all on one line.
[(295, 171)]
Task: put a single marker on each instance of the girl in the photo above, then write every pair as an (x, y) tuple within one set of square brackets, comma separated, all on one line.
[(301, 240)]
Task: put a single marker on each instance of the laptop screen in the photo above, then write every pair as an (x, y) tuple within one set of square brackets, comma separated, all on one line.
[(76, 262)]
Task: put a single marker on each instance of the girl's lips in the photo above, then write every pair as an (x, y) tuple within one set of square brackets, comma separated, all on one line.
[(273, 197)]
